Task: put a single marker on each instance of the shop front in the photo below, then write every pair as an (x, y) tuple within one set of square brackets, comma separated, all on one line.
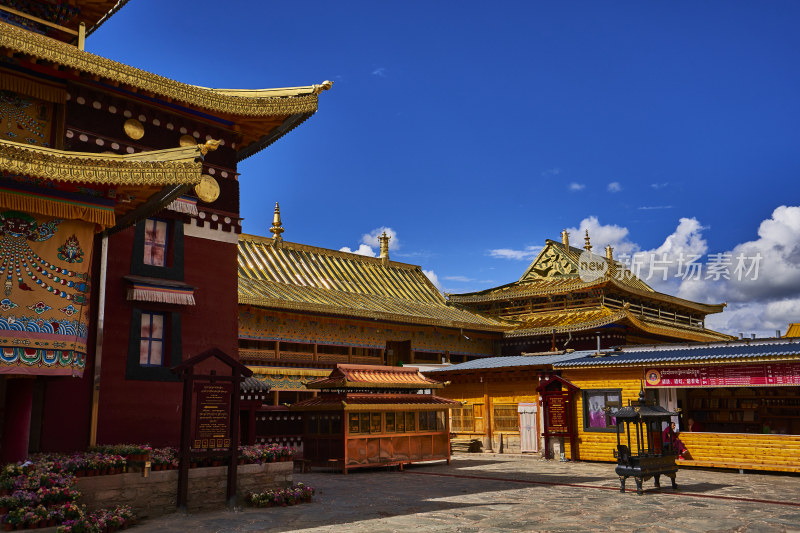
[(738, 402)]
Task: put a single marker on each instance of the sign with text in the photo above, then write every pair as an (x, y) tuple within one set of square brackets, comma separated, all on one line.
[(212, 428), (557, 414), (739, 375)]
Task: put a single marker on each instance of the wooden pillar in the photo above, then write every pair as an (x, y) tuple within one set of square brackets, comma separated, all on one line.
[(314, 356), (349, 354), (17, 422), (487, 415), (277, 349), (275, 400)]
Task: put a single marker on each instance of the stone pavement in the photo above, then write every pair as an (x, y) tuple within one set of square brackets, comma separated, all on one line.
[(492, 493)]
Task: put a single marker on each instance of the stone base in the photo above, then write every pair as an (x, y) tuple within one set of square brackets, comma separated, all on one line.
[(157, 494)]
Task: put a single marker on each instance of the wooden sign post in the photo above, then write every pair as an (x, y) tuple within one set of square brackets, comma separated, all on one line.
[(558, 406), (212, 402)]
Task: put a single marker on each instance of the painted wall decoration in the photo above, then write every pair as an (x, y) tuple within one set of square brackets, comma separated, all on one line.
[(24, 119), (44, 265), (260, 324)]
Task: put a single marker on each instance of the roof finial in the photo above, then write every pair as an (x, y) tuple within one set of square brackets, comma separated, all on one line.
[(609, 253), (588, 245), (565, 238), (277, 227), (384, 240)]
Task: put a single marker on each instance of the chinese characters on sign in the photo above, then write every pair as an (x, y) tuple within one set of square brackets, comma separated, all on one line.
[(725, 375), (556, 414), (212, 429)]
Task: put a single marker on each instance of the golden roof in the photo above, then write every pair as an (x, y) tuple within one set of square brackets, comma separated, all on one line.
[(793, 330), (262, 115), (306, 278), (555, 271), (570, 321)]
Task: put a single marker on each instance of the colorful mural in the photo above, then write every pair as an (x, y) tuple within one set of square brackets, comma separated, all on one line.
[(24, 119), (43, 311)]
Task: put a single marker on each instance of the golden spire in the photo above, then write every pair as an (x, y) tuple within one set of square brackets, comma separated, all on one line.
[(609, 253), (588, 245), (277, 227), (384, 240), (565, 238)]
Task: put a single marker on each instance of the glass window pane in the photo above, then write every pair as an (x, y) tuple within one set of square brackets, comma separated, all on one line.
[(144, 352), (364, 422), (401, 422), (594, 405), (155, 353), (440, 420), (145, 329), (160, 234), (410, 422), (353, 424), (158, 327), (375, 423), (389, 422)]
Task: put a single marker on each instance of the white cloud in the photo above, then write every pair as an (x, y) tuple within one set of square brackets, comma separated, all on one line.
[(602, 235), (462, 279), (762, 294), (652, 207), (506, 253), (550, 172), (434, 279), (372, 237), (574, 187), (380, 72), (614, 186), (659, 185), (362, 250)]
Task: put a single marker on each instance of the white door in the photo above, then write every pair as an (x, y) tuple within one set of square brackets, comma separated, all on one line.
[(528, 430)]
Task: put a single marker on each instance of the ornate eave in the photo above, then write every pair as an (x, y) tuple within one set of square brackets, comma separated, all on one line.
[(584, 320), (158, 167), (244, 103)]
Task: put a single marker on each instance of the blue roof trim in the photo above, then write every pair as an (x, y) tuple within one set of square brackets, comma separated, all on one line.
[(690, 354), (486, 363)]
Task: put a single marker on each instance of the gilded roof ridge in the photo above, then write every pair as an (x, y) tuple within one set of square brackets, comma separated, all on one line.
[(223, 101), (158, 167), (326, 251)]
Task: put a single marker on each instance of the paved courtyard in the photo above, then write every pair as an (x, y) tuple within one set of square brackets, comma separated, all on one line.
[(484, 492)]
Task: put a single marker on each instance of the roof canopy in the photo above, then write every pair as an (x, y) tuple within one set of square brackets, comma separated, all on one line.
[(375, 402), (120, 184), (262, 116), (346, 376), (556, 271)]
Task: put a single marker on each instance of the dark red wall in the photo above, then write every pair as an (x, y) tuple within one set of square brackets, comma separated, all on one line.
[(149, 411)]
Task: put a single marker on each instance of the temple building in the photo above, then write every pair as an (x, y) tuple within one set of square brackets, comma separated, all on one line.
[(557, 306), (118, 185), (303, 309)]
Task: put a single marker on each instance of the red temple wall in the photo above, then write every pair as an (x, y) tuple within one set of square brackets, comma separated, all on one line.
[(149, 411)]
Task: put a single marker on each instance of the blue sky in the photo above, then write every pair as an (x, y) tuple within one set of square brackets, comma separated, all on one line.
[(476, 131)]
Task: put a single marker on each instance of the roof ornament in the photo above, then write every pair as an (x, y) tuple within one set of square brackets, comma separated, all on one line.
[(209, 146), (588, 245), (324, 86), (609, 253), (565, 238), (277, 226), (384, 240)]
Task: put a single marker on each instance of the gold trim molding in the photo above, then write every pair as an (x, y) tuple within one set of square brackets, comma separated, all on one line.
[(159, 167), (252, 103)]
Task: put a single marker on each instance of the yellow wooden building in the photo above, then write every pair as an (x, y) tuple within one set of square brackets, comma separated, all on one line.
[(739, 401)]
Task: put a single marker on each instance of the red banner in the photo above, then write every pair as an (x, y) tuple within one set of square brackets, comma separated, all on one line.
[(724, 375)]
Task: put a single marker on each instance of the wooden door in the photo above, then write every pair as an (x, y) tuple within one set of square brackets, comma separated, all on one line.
[(528, 427)]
